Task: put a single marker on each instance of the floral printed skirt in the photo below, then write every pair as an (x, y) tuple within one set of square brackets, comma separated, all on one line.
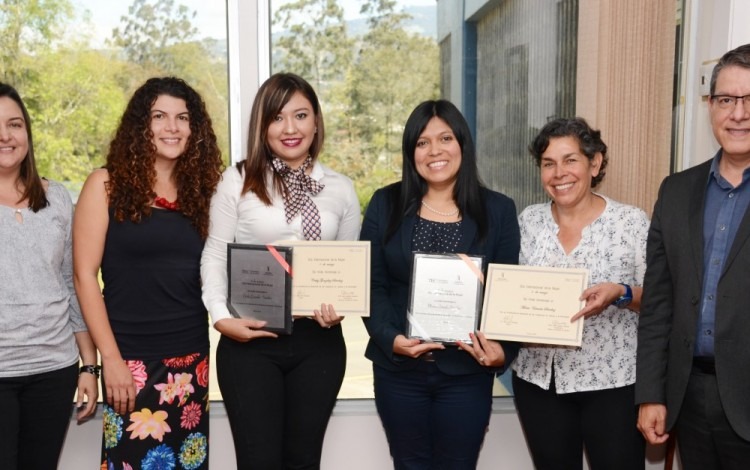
[(169, 427)]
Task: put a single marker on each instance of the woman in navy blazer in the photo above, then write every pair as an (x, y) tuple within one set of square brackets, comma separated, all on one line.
[(434, 400)]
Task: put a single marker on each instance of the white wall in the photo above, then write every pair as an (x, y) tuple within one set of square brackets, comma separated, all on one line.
[(712, 27), (355, 439)]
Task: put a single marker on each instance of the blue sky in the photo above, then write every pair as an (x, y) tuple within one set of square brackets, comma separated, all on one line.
[(210, 19)]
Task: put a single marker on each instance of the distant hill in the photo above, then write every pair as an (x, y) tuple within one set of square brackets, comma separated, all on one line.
[(423, 21)]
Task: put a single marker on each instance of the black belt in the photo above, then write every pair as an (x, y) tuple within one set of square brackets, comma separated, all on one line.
[(428, 357), (703, 364)]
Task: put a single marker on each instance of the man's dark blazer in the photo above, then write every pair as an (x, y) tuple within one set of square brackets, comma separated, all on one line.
[(392, 268), (671, 303)]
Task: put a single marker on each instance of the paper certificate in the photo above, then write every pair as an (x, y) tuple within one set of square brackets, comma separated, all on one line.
[(331, 272), (446, 295), (533, 304), (260, 285)]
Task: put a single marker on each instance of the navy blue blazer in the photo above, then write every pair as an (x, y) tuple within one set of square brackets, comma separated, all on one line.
[(391, 276)]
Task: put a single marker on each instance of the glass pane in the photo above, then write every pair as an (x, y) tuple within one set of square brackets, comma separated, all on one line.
[(526, 61), (76, 63), (371, 62)]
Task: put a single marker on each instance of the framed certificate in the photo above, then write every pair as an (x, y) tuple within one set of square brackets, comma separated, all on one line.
[(331, 272), (445, 298), (260, 287), (533, 304)]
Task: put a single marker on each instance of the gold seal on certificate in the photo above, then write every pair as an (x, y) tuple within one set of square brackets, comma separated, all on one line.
[(260, 284), (446, 297), (533, 304), (331, 272)]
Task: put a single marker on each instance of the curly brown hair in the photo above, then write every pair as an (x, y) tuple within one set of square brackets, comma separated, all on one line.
[(131, 157)]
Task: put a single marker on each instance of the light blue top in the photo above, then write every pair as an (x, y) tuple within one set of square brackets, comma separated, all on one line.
[(39, 311)]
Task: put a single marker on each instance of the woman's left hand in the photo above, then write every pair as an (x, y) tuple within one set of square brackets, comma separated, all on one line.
[(598, 297), (486, 352), (327, 316), (87, 387)]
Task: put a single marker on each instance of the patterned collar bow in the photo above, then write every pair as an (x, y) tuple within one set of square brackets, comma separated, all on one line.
[(299, 187)]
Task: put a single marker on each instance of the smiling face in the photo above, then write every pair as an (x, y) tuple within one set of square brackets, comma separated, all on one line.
[(291, 132), (732, 126), (14, 137), (170, 124), (566, 172), (437, 156)]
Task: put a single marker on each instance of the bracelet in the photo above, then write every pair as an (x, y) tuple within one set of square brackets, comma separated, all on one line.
[(89, 369)]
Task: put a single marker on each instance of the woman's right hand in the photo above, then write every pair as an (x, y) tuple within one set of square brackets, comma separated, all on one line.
[(120, 385), (413, 347), (243, 329)]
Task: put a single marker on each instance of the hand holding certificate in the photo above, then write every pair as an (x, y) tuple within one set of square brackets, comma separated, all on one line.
[(446, 294), (259, 285), (533, 304), (330, 272)]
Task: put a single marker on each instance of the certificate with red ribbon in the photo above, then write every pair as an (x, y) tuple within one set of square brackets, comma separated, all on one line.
[(260, 284), (446, 297)]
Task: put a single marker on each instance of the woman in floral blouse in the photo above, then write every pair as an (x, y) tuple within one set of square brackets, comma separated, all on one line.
[(571, 398)]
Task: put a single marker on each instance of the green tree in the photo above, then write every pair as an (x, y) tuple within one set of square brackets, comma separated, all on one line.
[(394, 71), (148, 30), (313, 42), (74, 111), (26, 28)]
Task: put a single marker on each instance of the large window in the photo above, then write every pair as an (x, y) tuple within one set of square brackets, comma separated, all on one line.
[(77, 62), (371, 62)]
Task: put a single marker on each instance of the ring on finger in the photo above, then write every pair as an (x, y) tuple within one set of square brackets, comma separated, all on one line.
[(481, 359)]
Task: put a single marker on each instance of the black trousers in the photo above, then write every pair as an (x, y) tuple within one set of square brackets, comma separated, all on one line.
[(279, 394), (704, 437), (559, 426), (35, 413)]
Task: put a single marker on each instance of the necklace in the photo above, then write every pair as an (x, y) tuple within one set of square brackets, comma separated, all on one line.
[(444, 214), (162, 202)]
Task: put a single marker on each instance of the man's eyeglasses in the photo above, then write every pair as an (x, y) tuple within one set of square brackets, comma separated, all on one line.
[(730, 102)]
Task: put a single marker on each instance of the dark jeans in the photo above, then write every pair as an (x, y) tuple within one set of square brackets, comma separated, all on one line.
[(704, 437), (35, 413), (433, 420), (559, 426), (279, 394)]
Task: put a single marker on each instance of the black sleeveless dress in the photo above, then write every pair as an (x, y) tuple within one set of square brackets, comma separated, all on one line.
[(151, 274)]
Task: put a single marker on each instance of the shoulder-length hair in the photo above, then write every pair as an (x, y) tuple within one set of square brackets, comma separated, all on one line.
[(272, 96), (467, 192), (589, 141), (132, 153), (33, 189)]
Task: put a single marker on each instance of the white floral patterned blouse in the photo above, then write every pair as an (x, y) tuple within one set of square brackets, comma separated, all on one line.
[(613, 249)]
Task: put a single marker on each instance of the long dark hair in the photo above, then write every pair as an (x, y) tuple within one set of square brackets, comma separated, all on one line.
[(467, 192), (272, 96), (33, 189), (131, 156)]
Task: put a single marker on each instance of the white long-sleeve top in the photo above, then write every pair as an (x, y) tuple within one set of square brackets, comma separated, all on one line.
[(237, 218)]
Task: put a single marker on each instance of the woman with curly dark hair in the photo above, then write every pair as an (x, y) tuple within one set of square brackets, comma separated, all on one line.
[(143, 220)]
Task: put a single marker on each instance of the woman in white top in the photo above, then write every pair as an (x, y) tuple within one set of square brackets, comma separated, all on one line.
[(279, 390), (569, 398)]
